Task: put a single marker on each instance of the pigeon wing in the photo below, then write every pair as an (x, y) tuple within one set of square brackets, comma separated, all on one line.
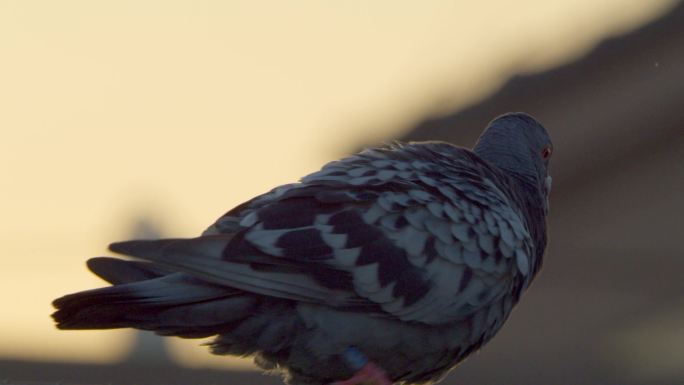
[(423, 232)]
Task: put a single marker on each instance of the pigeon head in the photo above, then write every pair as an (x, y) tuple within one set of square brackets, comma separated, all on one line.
[(519, 145)]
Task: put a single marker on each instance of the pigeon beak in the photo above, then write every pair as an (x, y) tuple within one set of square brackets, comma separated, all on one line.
[(547, 186)]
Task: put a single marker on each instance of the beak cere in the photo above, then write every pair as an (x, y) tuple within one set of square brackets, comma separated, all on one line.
[(547, 190)]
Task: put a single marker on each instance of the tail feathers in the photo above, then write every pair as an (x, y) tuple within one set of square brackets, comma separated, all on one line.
[(170, 305), (203, 257), (118, 271), (159, 249)]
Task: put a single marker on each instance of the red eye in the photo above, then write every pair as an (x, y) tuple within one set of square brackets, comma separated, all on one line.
[(546, 153)]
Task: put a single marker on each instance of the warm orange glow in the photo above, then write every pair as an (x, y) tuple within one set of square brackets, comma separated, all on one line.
[(178, 110)]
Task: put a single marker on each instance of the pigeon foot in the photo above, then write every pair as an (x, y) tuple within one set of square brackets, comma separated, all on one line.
[(366, 372), (369, 374)]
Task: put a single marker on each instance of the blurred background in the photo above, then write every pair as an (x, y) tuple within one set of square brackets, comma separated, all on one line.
[(152, 118)]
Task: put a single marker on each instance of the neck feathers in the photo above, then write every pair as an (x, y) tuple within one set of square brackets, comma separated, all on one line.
[(514, 161)]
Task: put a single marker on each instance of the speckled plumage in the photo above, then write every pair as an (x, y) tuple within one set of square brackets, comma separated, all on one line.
[(415, 254)]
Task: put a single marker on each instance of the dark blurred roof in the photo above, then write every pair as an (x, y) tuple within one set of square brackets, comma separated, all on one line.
[(616, 257)]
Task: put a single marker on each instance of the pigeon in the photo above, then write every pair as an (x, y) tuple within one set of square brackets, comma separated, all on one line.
[(391, 265)]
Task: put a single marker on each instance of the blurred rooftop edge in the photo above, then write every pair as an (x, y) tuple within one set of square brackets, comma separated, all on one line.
[(618, 112)]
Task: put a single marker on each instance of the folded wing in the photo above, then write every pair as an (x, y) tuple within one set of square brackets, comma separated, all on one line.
[(430, 240)]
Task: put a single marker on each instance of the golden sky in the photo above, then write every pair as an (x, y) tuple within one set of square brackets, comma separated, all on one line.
[(178, 110)]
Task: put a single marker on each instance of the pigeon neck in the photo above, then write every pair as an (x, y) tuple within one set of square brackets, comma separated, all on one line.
[(529, 194), (532, 202), (508, 155)]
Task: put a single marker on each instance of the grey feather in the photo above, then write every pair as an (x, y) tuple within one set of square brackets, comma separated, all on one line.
[(440, 229), (486, 243), (347, 257), (460, 231), (372, 214), (416, 216)]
